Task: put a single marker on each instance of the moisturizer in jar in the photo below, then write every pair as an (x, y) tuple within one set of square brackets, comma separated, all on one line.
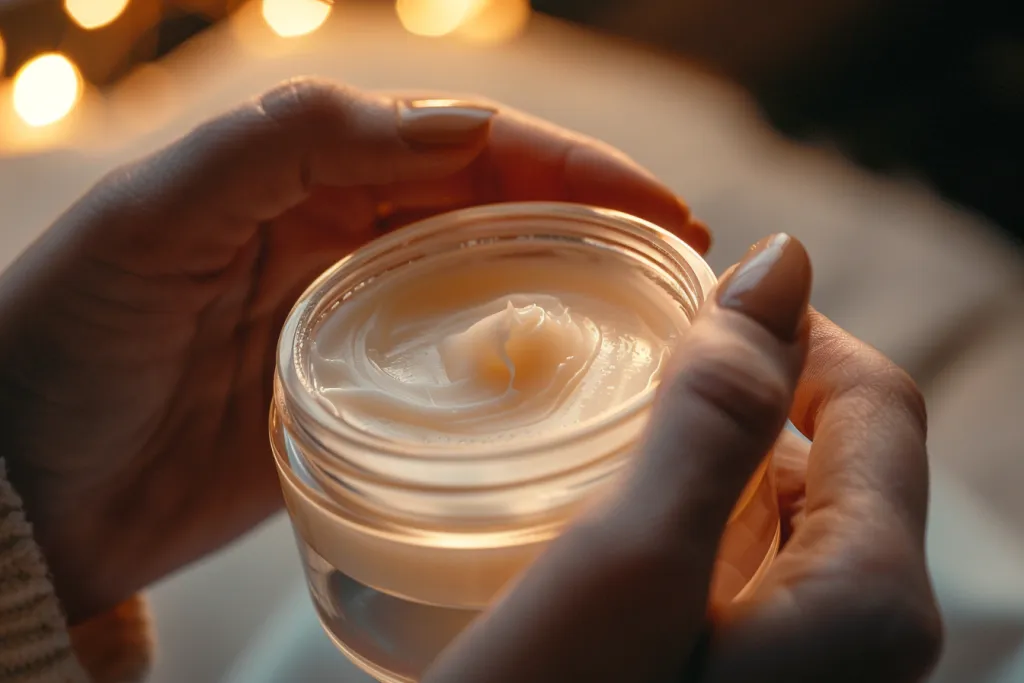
[(493, 348), (453, 395)]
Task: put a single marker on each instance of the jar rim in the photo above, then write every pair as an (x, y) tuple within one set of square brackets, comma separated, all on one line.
[(299, 405)]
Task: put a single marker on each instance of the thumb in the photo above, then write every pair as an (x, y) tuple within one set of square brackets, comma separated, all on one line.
[(623, 594), (726, 402)]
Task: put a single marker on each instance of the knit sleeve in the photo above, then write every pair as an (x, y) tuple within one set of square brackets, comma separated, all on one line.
[(35, 644)]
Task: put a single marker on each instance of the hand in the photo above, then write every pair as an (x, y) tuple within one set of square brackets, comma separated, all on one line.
[(137, 336), (622, 596)]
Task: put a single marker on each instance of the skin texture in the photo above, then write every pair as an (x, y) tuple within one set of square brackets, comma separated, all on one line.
[(623, 595), (137, 336)]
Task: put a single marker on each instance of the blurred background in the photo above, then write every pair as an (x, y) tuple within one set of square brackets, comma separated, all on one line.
[(884, 134)]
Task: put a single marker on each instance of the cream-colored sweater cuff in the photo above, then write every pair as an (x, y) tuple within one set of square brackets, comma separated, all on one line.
[(35, 644)]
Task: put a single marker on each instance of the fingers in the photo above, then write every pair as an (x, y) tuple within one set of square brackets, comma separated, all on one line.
[(204, 195), (869, 426), (734, 383), (527, 159), (532, 160), (266, 156), (789, 460), (623, 595), (258, 161), (849, 599)]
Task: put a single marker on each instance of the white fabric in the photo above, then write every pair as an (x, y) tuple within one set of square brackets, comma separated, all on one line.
[(930, 286)]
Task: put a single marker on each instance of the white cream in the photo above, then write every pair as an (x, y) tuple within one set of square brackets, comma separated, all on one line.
[(493, 349)]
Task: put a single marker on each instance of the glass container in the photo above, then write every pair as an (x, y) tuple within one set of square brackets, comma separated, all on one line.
[(404, 543)]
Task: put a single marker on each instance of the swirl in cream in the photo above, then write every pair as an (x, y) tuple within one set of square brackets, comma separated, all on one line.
[(497, 348)]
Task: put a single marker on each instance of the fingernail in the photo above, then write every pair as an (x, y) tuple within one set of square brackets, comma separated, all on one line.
[(442, 123), (772, 285)]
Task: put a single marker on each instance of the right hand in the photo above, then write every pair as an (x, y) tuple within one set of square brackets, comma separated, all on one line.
[(622, 596)]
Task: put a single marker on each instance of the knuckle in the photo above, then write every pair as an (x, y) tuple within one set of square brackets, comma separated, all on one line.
[(885, 379), (119, 186), (861, 370), (125, 198), (906, 393), (302, 98)]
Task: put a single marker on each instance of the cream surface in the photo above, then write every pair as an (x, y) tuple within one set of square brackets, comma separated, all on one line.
[(500, 347)]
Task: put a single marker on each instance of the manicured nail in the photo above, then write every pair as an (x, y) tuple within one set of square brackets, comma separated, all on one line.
[(442, 123), (772, 285)]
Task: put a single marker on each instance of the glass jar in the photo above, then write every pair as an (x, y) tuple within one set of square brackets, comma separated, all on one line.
[(403, 544)]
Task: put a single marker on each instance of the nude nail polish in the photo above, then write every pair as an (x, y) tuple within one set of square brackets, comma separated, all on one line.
[(772, 285), (442, 123)]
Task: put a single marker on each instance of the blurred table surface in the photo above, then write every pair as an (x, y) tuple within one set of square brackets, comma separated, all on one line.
[(933, 287)]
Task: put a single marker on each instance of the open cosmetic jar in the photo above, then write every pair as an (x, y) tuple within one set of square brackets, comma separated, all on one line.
[(450, 397)]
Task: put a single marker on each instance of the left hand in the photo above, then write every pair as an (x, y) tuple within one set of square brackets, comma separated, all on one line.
[(137, 336)]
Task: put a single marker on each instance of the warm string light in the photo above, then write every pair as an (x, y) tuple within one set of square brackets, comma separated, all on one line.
[(93, 14), (496, 21), (292, 18), (435, 17), (485, 21), (46, 89)]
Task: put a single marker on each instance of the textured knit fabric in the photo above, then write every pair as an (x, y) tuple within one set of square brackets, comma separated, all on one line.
[(35, 643)]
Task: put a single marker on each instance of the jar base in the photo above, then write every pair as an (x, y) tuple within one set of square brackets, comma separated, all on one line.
[(364, 665), (391, 639), (395, 640)]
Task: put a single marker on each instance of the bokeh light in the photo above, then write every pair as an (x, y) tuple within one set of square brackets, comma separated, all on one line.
[(436, 17), (46, 89), (292, 18), (496, 22), (93, 14)]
